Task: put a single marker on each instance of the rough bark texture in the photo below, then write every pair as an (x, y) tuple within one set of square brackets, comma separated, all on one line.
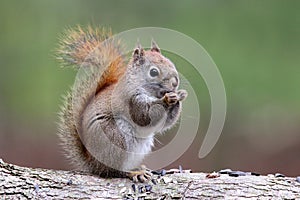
[(27, 183)]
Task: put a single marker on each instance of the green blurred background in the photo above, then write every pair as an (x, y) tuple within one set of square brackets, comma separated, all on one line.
[(255, 44)]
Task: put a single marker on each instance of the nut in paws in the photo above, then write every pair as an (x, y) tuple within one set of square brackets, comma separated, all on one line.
[(171, 98)]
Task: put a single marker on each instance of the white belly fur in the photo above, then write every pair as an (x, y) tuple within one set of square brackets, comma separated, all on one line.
[(142, 144)]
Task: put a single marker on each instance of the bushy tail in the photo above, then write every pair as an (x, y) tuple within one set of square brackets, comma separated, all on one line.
[(92, 48), (100, 62), (77, 43)]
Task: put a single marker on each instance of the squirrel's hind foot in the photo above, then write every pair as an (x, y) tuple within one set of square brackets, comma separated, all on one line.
[(140, 175)]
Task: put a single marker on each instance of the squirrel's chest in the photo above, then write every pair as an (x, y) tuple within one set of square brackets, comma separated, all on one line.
[(145, 131), (139, 140), (137, 152)]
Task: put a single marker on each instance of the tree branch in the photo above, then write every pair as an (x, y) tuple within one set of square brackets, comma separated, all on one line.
[(28, 183)]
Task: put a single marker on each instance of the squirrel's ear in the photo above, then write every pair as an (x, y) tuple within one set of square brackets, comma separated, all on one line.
[(138, 53), (154, 46)]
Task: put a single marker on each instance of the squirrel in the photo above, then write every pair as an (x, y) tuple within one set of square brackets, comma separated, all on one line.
[(112, 113)]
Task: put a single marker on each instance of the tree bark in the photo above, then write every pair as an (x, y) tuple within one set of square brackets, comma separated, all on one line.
[(26, 183)]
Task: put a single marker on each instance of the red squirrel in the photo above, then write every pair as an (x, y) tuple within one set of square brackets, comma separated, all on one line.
[(109, 118)]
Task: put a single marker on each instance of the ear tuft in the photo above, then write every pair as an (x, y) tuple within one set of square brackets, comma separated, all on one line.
[(138, 53), (154, 47)]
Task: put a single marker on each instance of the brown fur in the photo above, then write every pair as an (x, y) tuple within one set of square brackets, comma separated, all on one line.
[(85, 47)]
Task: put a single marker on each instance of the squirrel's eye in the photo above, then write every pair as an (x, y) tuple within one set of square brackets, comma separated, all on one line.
[(154, 72)]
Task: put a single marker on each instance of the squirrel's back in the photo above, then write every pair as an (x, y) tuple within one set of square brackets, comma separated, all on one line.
[(100, 63)]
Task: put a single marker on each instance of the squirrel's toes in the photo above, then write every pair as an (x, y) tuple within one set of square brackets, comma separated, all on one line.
[(141, 175)]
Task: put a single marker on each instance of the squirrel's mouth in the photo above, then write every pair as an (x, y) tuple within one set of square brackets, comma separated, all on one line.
[(158, 90), (162, 93)]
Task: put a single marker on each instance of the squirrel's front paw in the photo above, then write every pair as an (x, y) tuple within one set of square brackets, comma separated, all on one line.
[(171, 98), (182, 94)]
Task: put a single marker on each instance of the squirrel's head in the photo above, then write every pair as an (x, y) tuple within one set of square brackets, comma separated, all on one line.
[(157, 73)]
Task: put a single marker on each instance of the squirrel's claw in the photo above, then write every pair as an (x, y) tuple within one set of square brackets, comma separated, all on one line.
[(182, 94), (142, 175)]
